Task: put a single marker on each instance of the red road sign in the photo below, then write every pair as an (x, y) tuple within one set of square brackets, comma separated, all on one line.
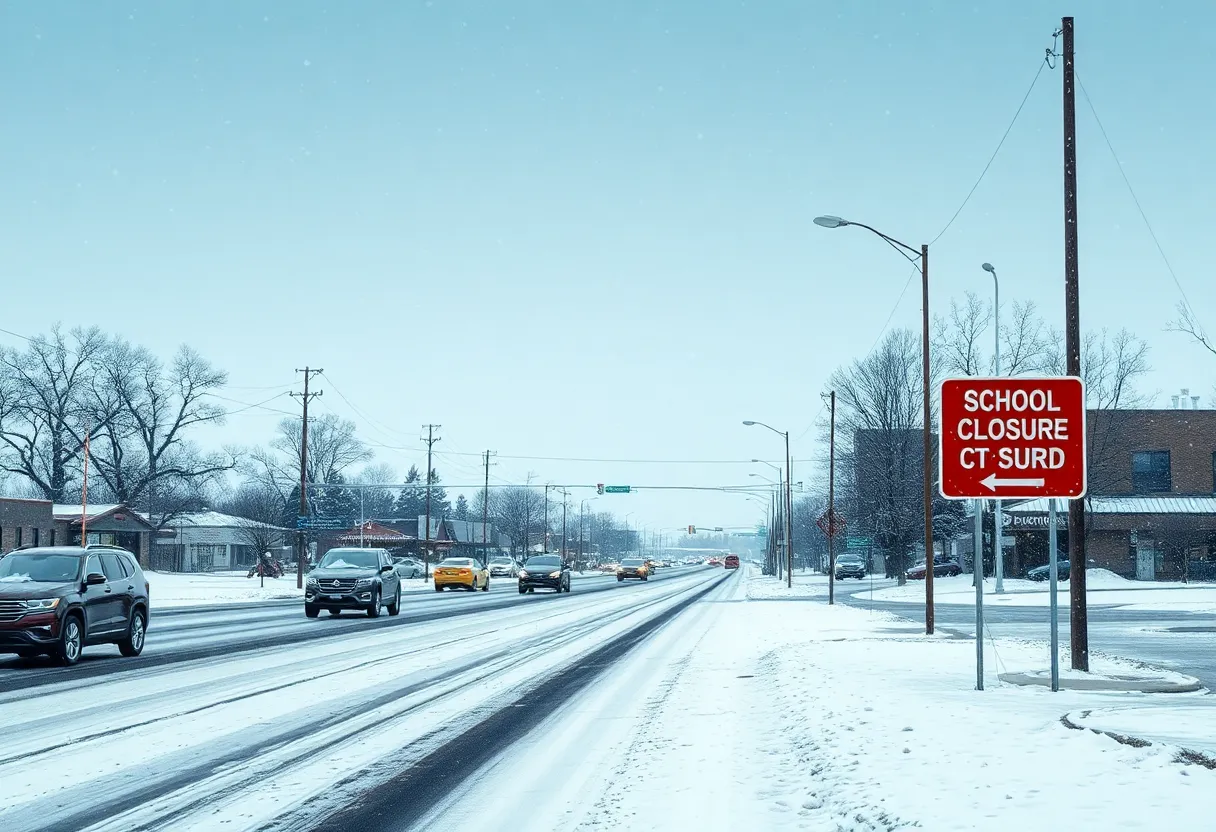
[(831, 523), (1012, 438)]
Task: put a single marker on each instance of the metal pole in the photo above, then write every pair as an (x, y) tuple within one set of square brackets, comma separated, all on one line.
[(978, 558), (1079, 617), (546, 517), (1054, 570), (485, 510), (998, 519), (832, 505), (305, 397), (789, 516), (431, 439), (928, 449), (362, 519)]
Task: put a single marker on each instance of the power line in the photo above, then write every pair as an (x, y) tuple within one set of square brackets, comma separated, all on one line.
[(1135, 199), (249, 406), (992, 158)]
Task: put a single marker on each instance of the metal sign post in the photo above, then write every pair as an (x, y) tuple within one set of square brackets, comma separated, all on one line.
[(978, 568), (1054, 575)]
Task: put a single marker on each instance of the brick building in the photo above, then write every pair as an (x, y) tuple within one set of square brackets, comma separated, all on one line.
[(1151, 510), (26, 522)]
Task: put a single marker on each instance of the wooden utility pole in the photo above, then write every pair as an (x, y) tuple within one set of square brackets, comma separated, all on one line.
[(1079, 613), (832, 505), (547, 486), (485, 509), (302, 543), (430, 440)]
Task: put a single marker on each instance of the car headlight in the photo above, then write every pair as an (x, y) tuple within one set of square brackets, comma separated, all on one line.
[(557, 574), (311, 582), (363, 583), (523, 573), (42, 604)]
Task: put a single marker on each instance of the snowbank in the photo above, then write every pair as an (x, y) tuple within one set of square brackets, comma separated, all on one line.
[(1103, 588), (805, 716), (172, 589)]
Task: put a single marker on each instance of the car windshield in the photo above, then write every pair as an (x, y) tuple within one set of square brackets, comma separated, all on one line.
[(501, 561), (466, 562), (544, 563), (350, 559), (632, 562), (39, 568), (848, 559)]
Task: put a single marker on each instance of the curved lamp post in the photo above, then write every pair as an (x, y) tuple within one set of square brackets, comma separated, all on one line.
[(913, 255)]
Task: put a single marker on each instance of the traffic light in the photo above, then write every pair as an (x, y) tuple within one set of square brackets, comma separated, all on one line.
[(692, 529), (599, 488)]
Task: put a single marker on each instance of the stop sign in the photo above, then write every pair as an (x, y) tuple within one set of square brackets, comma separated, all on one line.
[(1012, 438)]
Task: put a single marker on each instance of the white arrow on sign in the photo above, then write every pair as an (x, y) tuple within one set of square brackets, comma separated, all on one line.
[(993, 483)]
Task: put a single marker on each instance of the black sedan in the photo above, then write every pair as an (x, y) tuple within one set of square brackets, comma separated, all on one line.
[(1043, 573), (546, 572)]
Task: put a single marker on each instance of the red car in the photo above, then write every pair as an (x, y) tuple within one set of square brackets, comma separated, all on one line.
[(713, 562), (732, 562), (943, 566)]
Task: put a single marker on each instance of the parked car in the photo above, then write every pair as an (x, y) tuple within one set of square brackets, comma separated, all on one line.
[(544, 571), (503, 568), (943, 566), (850, 566), (463, 573), (353, 579), (633, 568), (409, 568), (1043, 573), (57, 600)]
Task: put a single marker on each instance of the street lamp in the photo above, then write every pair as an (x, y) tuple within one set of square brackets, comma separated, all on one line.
[(998, 551), (923, 256), (789, 502)]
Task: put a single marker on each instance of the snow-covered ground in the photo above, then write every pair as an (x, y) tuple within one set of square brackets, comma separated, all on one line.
[(767, 709), (1104, 587)]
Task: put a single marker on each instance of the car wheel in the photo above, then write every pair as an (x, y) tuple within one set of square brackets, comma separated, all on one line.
[(395, 607), (486, 586), (71, 641), (335, 613), (377, 604), (620, 579), (132, 643), (523, 590), (311, 611)]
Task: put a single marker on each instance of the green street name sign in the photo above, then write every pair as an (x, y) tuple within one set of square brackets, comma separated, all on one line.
[(616, 489)]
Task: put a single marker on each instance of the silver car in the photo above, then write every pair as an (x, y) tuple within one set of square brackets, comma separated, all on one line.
[(503, 568), (408, 568)]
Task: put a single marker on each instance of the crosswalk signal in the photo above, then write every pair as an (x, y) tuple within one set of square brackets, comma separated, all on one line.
[(599, 488), (692, 529)]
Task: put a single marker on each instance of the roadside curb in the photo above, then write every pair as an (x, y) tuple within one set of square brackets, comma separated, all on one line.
[(1122, 683), (1185, 755)]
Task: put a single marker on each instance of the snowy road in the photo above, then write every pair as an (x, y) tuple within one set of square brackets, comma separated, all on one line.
[(1181, 641), (260, 718)]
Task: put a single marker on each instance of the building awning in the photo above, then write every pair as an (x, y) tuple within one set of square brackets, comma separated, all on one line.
[(371, 532), (1130, 504)]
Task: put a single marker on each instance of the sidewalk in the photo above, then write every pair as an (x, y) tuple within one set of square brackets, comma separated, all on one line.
[(795, 715)]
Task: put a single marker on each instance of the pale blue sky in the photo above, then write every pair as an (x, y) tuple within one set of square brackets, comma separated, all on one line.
[(583, 229)]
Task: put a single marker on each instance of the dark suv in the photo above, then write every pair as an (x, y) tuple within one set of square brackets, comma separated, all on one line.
[(58, 599), (353, 579), (546, 571)]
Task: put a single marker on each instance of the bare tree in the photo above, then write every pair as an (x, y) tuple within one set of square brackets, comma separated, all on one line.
[(262, 508), (1188, 324), (332, 446), (50, 398), (879, 428), (519, 511), (377, 502), (962, 341), (143, 454)]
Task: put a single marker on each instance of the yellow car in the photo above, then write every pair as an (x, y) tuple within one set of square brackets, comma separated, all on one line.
[(465, 573)]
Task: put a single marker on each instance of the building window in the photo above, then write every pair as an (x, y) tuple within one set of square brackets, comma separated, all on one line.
[(1214, 471), (1151, 472), (36, 535), (19, 536)]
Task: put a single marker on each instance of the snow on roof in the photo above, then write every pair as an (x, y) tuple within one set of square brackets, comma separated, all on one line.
[(69, 511), (217, 520), (1130, 504)]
